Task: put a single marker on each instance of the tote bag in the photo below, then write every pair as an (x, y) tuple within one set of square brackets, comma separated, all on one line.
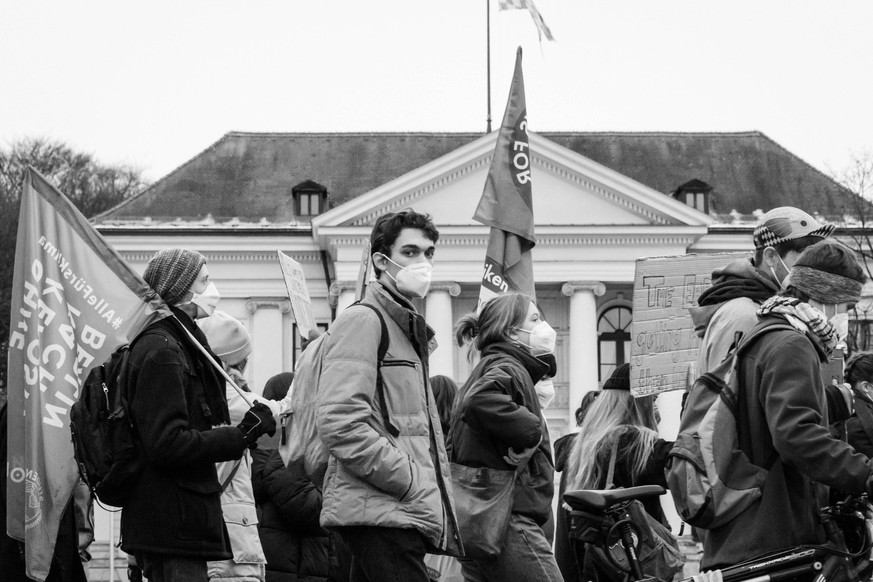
[(483, 503)]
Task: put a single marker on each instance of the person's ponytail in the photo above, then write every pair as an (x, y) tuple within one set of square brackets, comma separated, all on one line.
[(467, 329)]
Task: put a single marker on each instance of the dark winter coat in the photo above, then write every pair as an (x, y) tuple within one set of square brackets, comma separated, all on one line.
[(496, 409), (651, 474), (176, 397), (563, 548), (859, 427), (296, 546), (782, 425)]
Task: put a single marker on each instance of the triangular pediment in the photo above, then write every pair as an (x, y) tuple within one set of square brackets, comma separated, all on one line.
[(568, 189)]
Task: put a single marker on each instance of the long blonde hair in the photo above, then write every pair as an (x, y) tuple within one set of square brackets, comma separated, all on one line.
[(614, 414)]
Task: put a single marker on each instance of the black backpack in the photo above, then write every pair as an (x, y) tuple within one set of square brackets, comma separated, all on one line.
[(103, 433)]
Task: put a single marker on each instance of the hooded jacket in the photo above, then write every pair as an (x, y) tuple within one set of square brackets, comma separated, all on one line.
[(782, 425), (729, 306), (373, 477), (496, 409)]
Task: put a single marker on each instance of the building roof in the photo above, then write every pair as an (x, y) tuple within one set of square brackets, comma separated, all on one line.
[(248, 177)]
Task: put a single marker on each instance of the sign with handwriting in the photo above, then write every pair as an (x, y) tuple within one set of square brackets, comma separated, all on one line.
[(663, 343)]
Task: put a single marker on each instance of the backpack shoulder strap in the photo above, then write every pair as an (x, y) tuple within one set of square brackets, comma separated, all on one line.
[(760, 330), (383, 338), (380, 356)]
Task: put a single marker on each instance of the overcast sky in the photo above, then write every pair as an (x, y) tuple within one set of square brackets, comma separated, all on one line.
[(154, 83)]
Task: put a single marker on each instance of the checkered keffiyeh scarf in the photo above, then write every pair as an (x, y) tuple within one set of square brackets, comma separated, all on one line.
[(171, 272), (804, 317)]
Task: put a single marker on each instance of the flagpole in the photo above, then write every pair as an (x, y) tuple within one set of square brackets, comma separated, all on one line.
[(488, 59)]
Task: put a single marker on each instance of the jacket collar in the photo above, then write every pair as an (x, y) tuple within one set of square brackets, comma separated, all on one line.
[(534, 366), (401, 311)]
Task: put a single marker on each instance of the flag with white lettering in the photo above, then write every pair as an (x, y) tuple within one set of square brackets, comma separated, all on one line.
[(542, 29), (506, 204), (74, 301)]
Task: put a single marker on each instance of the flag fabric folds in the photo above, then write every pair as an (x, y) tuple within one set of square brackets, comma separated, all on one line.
[(506, 204), (542, 29), (74, 301)]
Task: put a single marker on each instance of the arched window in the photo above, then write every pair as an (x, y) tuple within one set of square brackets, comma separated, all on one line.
[(613, 339)]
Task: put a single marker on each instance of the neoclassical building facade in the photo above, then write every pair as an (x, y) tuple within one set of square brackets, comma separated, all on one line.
[(601, 201)]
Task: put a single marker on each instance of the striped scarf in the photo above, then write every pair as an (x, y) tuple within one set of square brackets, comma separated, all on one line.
[(804, 317)]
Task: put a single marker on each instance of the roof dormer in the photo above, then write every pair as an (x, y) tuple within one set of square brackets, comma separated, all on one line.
[(694, 193), (310, 198)]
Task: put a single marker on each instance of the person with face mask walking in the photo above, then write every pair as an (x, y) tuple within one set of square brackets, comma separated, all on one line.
[(173, 521), (781, 416), (387, 490), (497, 423), (739, 288)]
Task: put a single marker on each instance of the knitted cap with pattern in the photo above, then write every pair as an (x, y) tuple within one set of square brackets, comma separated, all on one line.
[(171, 272)]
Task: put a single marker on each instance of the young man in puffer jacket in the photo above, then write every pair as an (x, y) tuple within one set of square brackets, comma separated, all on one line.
[(387, 491)]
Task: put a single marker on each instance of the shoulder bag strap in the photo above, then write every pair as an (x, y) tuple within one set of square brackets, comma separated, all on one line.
[(232, 474), (610, 474)]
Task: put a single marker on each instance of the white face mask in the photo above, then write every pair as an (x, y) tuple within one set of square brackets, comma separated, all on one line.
[(545, 392), (784, 281), (542, 338), (413, 280), (206, 301), (841, 325)]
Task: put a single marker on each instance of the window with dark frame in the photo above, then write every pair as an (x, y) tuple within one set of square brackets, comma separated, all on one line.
[(694, 193), (613, 339), (310, 198)]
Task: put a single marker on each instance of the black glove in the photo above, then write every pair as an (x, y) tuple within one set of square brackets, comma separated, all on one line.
[(257, 421)]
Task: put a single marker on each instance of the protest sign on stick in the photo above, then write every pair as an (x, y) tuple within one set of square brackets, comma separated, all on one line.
[(74, 302), (664, 345), (301, 304)]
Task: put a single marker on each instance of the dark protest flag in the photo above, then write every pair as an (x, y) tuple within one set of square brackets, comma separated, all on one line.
[(74, 301), (506, 204)]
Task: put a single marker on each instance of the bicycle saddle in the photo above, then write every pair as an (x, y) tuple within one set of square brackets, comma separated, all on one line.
[(588, 499)]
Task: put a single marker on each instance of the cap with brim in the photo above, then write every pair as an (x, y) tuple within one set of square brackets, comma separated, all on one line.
[(788, 223)]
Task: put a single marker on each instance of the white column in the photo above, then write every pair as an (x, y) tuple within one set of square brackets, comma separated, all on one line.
[(441, 319), (341, 295), (268, 340), (583, 340)]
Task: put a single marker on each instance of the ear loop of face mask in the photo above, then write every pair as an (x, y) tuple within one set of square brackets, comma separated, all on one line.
[(784, 266)]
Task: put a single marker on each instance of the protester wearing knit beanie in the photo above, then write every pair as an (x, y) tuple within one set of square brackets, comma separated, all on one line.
[(227, 336), (620, 379), (172, 272), (828, 272)]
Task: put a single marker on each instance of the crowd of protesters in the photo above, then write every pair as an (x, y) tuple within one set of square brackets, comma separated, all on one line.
[(216, 500)]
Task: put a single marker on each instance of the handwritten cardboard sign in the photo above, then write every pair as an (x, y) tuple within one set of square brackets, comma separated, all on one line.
[(295, 283), (663, 343)]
